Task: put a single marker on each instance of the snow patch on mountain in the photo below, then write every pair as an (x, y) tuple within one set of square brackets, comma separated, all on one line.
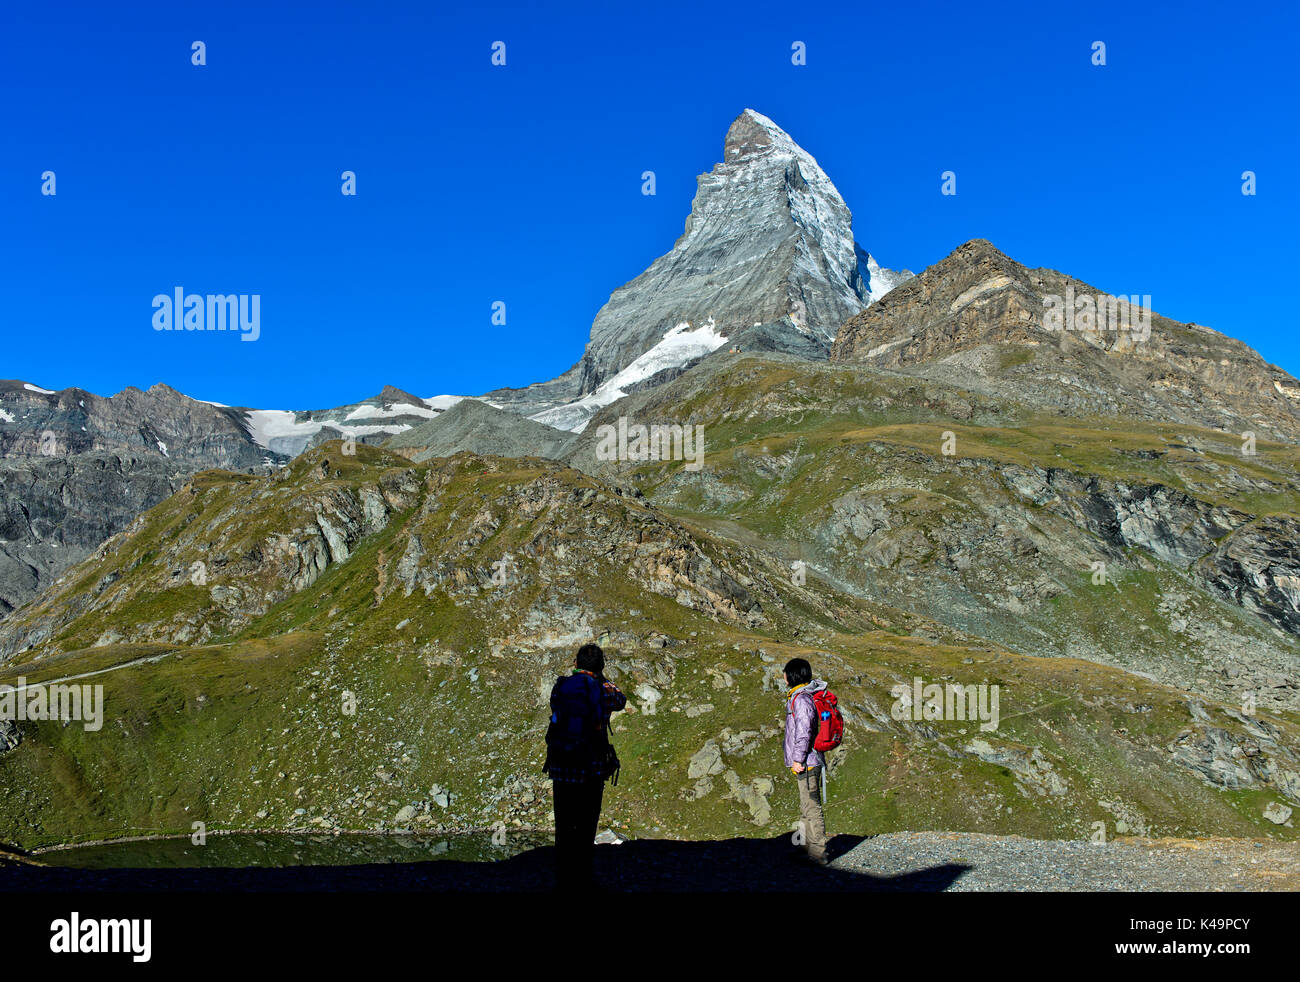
[(268, 425), (365, 411), (287, 431), (879, 281), (678, 347), (442, 403), (280, 431)]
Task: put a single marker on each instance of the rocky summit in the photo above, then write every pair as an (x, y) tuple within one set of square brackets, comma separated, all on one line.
[(981, 320), (767, 260)]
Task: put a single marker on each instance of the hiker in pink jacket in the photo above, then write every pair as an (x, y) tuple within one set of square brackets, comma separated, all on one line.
[(804, 762)]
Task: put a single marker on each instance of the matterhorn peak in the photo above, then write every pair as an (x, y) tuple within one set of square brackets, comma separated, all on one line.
[(752, 132), (767, 261), (752, 138)]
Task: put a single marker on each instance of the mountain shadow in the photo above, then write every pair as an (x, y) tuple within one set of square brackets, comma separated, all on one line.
[(740, 865)]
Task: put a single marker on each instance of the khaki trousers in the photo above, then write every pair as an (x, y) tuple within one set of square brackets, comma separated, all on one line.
[(810, 812)]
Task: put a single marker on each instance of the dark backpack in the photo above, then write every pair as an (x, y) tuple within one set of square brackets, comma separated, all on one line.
[(577, 740)]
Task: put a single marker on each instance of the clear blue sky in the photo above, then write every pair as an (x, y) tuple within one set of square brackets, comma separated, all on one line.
[(523, 183)]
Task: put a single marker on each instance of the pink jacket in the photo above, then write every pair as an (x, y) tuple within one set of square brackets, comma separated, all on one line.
[(801, 727)]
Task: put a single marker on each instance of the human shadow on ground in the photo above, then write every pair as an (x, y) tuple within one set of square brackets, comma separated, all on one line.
[(747, 865)]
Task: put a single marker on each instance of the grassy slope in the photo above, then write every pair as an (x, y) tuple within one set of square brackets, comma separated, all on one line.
[(787, 442), (249, 731)]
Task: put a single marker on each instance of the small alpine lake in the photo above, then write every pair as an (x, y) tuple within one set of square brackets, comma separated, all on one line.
[(279, 849)]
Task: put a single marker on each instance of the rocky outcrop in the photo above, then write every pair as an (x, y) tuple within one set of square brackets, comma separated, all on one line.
[(54, 511), (570, 526), (1259, 567), (1253, 756), (1034, 774), (10, 735), (1251, 562)]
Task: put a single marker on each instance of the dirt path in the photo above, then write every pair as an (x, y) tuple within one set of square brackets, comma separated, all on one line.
[(1011, 863), (146, 660)]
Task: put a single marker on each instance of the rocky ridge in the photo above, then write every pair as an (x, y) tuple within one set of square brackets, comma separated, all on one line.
[(979, 320), (76, 468), (477, 427)]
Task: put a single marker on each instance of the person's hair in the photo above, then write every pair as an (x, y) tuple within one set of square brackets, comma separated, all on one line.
[(590, 658), (797, 672)]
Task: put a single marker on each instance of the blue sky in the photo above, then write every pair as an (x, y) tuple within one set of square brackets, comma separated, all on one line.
[(523, 183)]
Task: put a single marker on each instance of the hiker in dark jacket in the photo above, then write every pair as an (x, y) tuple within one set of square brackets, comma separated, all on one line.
[(579, 760), (805, 762)]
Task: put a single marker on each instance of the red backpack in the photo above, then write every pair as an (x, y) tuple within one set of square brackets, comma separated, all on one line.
[(830, 724)]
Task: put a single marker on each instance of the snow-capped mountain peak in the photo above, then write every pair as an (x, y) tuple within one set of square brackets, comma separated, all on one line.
[(767, 255)]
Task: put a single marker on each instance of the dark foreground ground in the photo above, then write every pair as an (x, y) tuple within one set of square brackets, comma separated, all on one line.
[(922, 862)]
